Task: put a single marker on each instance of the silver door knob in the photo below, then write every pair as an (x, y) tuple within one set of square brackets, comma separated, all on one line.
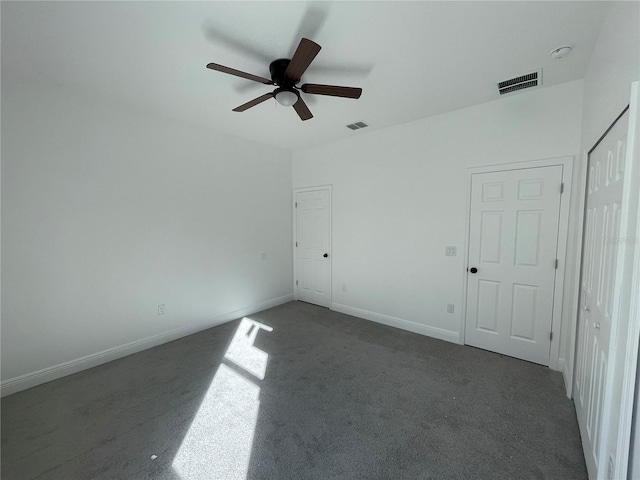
[(596, 325), (587, 308)]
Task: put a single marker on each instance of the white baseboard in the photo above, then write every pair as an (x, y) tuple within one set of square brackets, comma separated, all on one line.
[(48, 374), (563, 367), (435, 332)]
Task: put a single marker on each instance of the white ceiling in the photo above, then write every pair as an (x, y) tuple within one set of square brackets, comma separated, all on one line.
[(412, 59)]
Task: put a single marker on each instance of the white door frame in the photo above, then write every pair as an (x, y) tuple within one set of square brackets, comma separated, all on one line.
[(582, 200), (631, 348), (295, 232), (574, 312), (563, 230), (631, 185)]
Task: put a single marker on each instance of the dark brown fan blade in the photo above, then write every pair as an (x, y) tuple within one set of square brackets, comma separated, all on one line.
[(253, 102), (331, 90), (238, 73), (302, 110), (305, 53)]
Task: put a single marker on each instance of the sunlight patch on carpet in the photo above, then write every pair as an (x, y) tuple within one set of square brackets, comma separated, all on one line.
[(219, 441)]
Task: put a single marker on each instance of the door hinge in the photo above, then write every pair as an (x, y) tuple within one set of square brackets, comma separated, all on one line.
[(296, 282), (562, 187), (556, 263), (296, 204), (550, 336), (296, 244)]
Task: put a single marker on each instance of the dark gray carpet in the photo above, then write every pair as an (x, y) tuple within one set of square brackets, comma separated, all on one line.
[(341, 398)]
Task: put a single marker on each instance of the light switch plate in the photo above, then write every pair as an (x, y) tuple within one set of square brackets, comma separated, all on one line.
[(451, 251)]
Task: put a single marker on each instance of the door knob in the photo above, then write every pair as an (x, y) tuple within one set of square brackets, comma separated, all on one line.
[(587, 308), (325, 255), (473, 270), (596, 325)]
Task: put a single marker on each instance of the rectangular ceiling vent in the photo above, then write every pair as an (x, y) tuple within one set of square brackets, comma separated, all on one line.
[(357, 125), (529, 80)]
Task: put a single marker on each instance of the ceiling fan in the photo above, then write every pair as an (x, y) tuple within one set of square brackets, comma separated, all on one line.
[(285, 75)]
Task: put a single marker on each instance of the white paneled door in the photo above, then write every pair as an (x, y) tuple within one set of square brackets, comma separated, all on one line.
[(513, 237), (598, 271), (313, 246)]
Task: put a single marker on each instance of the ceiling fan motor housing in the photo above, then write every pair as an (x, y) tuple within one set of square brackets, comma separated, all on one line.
[(277, 69)]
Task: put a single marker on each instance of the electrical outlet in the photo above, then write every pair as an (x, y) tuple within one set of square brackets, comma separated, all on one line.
[(263, 256), (450, 307), (343, 287), (162, 309), (451, 251)]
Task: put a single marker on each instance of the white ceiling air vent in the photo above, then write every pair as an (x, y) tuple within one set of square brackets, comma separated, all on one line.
[(529, 80), (357, 125)]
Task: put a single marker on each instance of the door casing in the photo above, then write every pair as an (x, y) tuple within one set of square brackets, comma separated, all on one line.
[(599, 285), (630, 349), (563, 230), (629, 379)]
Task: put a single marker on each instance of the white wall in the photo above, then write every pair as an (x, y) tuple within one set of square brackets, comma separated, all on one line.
[(399, 197), (108, 212), (614, 65)]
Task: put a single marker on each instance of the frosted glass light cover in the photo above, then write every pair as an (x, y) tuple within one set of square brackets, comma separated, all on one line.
[(286, 98)]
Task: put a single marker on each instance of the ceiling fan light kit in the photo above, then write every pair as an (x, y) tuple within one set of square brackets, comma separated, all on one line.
[(286, 74), (286, 97)]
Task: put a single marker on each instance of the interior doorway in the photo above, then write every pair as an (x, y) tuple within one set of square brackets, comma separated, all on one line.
[(516, 245), (312, 245)]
